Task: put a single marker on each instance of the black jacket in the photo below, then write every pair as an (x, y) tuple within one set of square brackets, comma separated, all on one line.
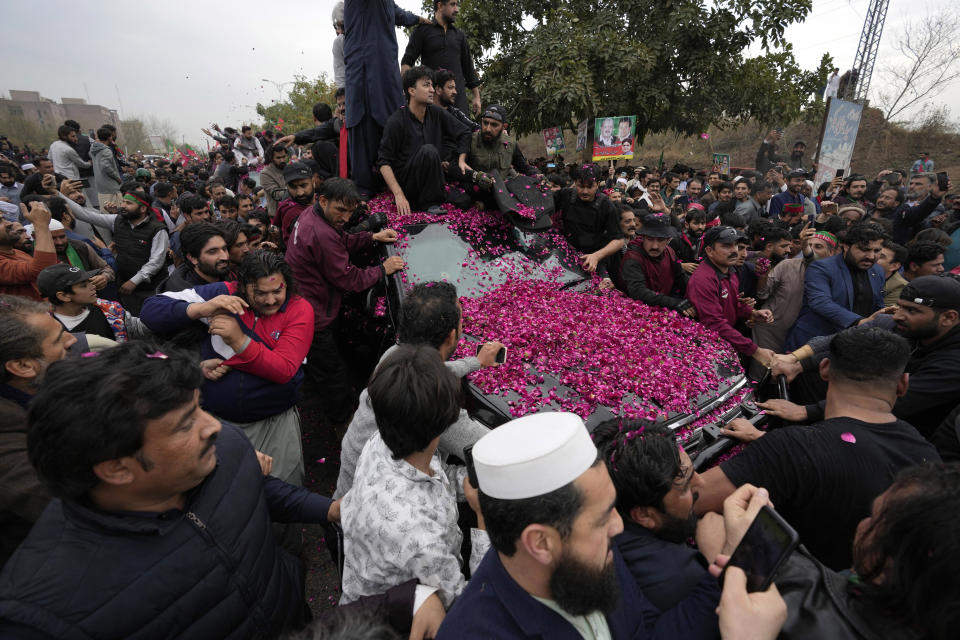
[(214, 570), (183, 277)]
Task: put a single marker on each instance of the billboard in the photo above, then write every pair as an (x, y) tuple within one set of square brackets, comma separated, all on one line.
[(582, 135), (613, 138), (840, 126), (721, 163)]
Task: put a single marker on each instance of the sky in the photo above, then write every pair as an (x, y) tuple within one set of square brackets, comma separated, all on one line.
[(194, 63)]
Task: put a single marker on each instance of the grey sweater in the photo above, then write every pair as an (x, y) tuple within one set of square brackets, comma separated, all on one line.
[(462, 433), (106, 176)]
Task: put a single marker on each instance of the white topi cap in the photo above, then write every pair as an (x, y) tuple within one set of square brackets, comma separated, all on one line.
[(533, 455)]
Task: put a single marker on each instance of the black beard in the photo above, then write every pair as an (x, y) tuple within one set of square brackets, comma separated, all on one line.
[(130, 216), (212, 271), (280, 165), (677, 530), (920, 333), (307, 199), (487, 140), (579, 589)]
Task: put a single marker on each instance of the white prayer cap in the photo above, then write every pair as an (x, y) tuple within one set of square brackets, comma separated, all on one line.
[(27, 166), (55, 225), (533, 455)]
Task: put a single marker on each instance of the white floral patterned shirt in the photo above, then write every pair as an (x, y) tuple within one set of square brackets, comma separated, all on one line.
[(400, 523)]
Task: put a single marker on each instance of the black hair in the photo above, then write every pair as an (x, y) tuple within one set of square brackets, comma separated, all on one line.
[(250, 183), (921, 252), (730, 218), (110, 127), (414, 397), (90, 410), (900, 252), (228, 202), (412, 75), (322, 112), (215, 182), (868, 355), (231, 229), (260, 264), (341, 91), (506, 519), (931, 234), (162, 189), (57, 208), (908, 557), (242, 196), (863, 233), (759, 186), (63, 131), (724, 185), (104, 134), (774, 235), (261, 215), (429, 314), (132, 186), (229, 156), (643, 466), (73, 124), (273, 149), (191, 203), (18, 339), (695, 215), (899, 196), (442, 77), (340, 190), (759, 226), (195, 237), (245, 128)]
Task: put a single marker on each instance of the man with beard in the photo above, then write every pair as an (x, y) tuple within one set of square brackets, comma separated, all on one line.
[(554, 572), (589, 220), (782, 290), (796, 180), (18, 269), (319, 254), (142, 243), (843, 290), (651, 272), (773, 247), (271, 178), (754, 206), (30, 340), (78, 253), (238, 244), (689, 244), (248, 146), (299, 180), (657, 488), (923, 259), (205, 255), (854, 191), (796, 156), (713, 291), (823, 477), (928, 315), (445, 97), (492, 150)]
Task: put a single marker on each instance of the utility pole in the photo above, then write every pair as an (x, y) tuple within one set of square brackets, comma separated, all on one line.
[(859, 83)]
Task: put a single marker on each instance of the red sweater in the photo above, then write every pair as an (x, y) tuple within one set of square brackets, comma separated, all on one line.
[(19, 271), (715, 299)]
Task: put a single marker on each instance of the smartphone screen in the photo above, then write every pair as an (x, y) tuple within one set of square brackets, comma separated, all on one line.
[(942, 180), (501, 356), (471, 470), (839, 173), (767, 543)]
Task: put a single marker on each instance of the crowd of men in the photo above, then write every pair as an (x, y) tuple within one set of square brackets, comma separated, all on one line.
[(159, 322)]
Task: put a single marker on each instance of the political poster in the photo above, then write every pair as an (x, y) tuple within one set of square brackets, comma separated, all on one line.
[(553, 140), (582, 135), (840, 126), (613, 138), (721, 163)]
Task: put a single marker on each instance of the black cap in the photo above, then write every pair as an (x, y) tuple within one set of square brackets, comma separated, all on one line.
[(798, 173), (495, 112), (726, 235), (942, 292), (296, 171), (656, 226), (59, 276)]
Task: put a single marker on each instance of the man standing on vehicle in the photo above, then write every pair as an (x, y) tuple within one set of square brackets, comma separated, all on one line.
[(590, 220), (440, 45), (319, 254), (713, 291)]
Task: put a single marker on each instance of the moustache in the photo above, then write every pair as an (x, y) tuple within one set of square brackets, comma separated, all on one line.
[(210, 442)]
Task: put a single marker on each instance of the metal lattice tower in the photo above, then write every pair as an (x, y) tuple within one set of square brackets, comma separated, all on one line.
[(863, 63)]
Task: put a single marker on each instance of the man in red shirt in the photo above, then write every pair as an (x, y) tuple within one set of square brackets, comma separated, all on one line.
[(19, 270), (713, 291), (319, 253)]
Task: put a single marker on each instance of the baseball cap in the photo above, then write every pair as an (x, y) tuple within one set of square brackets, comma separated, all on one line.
[(495, 112), (656, 226), (143, 173), (296, 171), (798, 173), (724, 234), (59, 276), (941, 291)]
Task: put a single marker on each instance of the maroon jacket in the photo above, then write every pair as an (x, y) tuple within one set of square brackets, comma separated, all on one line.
[(319, 256), (714, 295)]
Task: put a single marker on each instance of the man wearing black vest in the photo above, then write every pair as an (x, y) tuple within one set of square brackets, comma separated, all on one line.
[(142, 244)]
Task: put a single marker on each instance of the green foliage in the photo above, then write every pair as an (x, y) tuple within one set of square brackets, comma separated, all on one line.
[(676, 64), (296, 111)]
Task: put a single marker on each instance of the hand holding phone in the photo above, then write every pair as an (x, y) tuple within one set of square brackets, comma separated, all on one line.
[(491, 353), (943, 181), (766, 545)]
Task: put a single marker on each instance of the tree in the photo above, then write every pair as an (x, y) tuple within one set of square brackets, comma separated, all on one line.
[(676, 65), (296, 111), (927, 50)]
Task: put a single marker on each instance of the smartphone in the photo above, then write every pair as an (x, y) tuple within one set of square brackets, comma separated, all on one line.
[(551, 165), (767, 544), (943, 180), (839, 173), (84, 182), (501, 356), (471, 470)]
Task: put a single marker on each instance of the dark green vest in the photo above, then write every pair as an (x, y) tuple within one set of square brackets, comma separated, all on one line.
[(487, 158)]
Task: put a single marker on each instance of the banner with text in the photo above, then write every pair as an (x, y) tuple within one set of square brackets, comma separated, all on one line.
[(840, 127), (613, 138)]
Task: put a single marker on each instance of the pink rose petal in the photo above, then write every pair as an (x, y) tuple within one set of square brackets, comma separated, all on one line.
[(848, 437)]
